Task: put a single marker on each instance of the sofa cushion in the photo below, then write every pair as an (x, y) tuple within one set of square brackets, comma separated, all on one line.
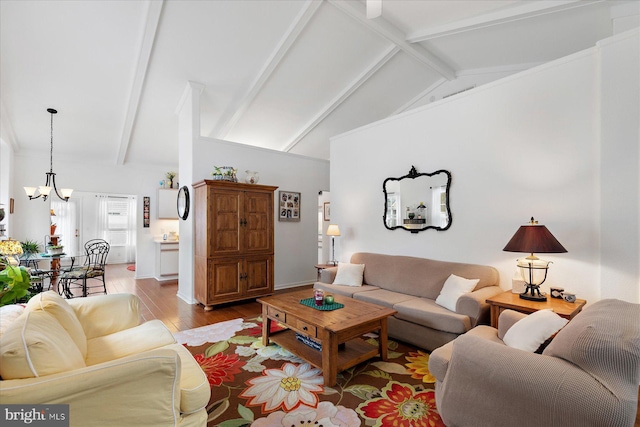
[(529, 333), (36, 345), (59, 308), (418, 276), (425, 312), (107, 314), (147, 336), (607, 331), (348, 291), (349, 274), (383, 297), (195, 390), (454, 287)]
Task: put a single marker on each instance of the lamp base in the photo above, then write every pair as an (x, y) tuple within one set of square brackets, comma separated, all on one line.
[(533, 293), (533, 297)]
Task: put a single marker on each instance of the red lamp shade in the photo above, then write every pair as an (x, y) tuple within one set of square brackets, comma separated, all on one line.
[(534, 238)]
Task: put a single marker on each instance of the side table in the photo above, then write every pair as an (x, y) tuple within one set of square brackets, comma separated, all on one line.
[(511, 301)]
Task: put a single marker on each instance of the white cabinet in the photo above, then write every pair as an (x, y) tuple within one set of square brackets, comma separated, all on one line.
[(167, 203), (166, 260)]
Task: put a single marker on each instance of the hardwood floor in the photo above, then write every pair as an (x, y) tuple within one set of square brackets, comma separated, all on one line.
[(159, 301)]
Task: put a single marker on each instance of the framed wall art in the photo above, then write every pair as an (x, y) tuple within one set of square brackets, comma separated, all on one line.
[(326, 213), (146, 202), (289, 206)]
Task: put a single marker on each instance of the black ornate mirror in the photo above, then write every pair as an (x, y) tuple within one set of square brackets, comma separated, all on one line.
[(183, 202), (417, 201)]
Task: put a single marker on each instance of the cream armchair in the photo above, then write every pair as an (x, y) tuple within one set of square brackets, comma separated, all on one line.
[(587, 376), (95, 355)]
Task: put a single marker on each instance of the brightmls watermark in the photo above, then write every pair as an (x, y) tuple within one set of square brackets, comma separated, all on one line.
[(35, 415)]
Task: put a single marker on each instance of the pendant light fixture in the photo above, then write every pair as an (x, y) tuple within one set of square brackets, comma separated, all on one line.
[(50, 184)]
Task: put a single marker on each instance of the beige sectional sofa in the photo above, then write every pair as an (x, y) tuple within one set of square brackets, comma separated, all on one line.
[(410, 286), (94, 355)]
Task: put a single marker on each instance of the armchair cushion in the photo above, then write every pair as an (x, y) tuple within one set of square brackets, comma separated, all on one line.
[(141, 338), (58, 307), (36, 345), (107, 314), (9, 313)]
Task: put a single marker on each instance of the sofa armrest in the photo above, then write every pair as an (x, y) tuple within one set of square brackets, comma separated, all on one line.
[(489, 377), (327, 275), (140, 390), (105, 314), (474, 304), (507, 319)]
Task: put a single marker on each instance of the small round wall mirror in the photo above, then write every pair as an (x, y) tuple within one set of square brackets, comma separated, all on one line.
[(183, 202)]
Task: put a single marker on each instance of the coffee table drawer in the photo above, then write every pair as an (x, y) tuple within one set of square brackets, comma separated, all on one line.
[(303, 326), (279, 315)]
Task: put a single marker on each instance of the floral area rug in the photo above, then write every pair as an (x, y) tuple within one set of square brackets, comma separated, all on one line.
[(258, 386)]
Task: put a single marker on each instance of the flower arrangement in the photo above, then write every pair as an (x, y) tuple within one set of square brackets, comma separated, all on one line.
[(224, 173), (170, 176)]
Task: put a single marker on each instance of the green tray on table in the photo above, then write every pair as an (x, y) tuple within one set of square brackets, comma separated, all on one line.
[(310, 302)]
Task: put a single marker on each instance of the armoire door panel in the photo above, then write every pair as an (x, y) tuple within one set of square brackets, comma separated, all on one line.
[(258, 211), (227, 211), (259, 275), (224, 279)]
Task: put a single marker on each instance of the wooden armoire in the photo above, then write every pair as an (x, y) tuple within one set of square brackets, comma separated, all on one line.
[(233, 241)]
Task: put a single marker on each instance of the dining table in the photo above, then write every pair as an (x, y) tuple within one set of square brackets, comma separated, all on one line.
[(32, 261)]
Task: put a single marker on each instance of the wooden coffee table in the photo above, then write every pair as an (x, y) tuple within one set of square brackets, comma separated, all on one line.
[(338, 331)]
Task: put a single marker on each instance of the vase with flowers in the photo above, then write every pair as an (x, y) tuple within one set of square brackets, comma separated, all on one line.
[(170, 176)]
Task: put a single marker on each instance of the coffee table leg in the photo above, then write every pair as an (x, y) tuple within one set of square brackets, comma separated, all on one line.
[(384, 345), (329, 358), (266, 326)]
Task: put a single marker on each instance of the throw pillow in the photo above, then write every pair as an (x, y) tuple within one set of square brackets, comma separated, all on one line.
[(454, 287), (529, 333), (349, 274)]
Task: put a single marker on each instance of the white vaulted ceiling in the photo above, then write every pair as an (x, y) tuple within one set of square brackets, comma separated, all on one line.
[(285, 75)]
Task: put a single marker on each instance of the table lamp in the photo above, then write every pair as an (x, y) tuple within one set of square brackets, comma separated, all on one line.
[(531, 238), (333, 231)]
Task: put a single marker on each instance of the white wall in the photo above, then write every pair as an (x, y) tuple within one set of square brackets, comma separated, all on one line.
[(527, 145), (295, 242), (31, 218)]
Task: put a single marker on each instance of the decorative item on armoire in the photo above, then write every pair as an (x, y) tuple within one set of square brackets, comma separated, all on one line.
[(252, 177)]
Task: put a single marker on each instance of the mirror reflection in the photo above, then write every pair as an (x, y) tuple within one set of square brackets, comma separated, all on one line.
[(417, 201)]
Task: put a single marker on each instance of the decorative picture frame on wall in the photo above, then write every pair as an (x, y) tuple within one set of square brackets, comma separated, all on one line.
[(326, 212), (289, 206), (146, 202)]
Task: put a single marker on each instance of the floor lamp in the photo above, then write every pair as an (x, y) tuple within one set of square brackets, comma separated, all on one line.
[(333, 231)]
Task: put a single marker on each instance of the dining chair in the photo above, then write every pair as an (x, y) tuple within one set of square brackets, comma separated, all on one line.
[(96, 252)]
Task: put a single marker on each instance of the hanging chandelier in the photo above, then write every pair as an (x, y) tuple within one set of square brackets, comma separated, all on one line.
[(50, 184)]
